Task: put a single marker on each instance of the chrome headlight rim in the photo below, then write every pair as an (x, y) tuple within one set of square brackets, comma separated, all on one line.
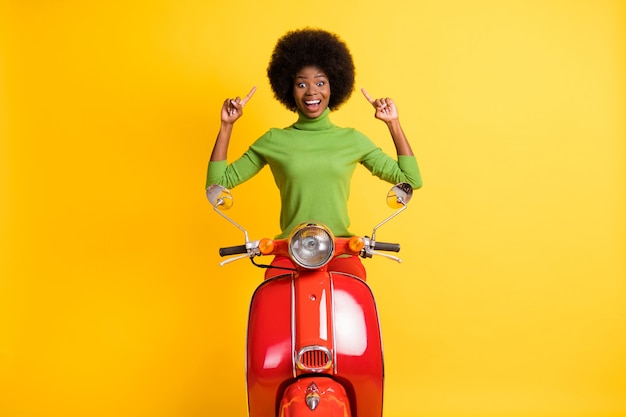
[(322, 237)]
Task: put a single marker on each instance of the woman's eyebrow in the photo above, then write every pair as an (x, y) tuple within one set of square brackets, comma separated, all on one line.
[(315, 76)]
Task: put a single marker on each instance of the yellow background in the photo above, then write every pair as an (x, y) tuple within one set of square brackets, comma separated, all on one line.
[(511, 300)]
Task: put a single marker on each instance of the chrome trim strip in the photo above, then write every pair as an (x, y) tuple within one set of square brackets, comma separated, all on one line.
[(293, 325), (332, 306)]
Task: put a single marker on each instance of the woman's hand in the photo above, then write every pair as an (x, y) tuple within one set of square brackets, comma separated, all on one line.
[(385, 107), (232, 109), (387, 112)]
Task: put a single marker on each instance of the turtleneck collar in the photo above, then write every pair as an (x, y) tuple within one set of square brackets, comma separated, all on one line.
[(322, 122)]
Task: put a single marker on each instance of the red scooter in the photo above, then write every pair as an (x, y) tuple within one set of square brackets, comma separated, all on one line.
[(314, 346)]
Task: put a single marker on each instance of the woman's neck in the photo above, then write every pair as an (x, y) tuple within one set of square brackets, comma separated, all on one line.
[(322, 122)]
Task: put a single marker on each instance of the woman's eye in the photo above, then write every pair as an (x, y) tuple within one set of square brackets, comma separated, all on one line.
[(301, 85), (321, 84)]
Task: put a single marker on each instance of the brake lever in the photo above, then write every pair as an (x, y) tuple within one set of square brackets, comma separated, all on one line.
[(368, 252), (236, 258), (385, 255)]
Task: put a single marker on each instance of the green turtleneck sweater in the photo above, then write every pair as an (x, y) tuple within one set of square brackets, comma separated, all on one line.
[(312, 162)]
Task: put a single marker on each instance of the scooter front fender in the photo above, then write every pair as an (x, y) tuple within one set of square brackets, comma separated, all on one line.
[(315, 396), (276, 332)]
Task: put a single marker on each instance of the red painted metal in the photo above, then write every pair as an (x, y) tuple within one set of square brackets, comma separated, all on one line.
[(358, 345), (270, 345), (333, 401), (314, 308)]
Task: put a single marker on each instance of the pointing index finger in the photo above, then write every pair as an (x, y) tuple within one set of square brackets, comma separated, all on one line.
[(247, 97), (367, 96)]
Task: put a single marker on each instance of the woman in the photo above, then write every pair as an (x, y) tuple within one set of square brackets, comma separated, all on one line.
[(311, 73)]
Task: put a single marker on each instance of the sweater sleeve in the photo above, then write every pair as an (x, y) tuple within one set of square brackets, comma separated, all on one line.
[(404, 169), (237, 172)]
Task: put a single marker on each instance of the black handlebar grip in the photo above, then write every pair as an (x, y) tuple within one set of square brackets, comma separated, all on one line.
[(233, 250), (389, 247)]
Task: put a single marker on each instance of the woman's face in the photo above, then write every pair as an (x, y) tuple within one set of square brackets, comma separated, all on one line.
[(311, 90)]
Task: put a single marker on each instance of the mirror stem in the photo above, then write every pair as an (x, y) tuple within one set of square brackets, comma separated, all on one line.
[(404, 206), (218, 203)]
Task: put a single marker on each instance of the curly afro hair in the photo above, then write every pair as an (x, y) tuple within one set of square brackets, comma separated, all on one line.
[(311, 47)]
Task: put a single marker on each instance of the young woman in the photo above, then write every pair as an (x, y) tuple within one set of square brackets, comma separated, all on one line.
[(311, 72)]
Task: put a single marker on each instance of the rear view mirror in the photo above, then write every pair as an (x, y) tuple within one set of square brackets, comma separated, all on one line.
[(400, 195), (220, 197)]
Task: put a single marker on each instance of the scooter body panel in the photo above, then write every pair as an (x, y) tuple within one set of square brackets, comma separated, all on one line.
[(358, 345), (327, 313), (269, 362)]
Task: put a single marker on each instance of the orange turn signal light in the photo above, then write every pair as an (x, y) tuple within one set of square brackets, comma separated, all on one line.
[(356, 243), (266, 246)]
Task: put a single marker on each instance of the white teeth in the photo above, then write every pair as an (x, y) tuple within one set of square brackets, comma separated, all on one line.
[(313, 102)]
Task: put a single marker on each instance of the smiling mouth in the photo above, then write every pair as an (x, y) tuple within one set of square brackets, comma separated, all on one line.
[(313, 104)]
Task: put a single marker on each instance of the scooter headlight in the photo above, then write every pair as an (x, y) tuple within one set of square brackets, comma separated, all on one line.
[(311, 245)]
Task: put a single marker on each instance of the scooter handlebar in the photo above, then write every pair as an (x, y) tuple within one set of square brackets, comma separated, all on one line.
[(241, 249), (388, 247), (233, 250)]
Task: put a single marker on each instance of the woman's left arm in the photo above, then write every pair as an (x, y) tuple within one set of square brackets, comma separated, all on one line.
[(387, 112)]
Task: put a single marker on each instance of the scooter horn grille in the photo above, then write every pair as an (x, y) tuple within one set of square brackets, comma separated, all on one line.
[(314, 358)]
